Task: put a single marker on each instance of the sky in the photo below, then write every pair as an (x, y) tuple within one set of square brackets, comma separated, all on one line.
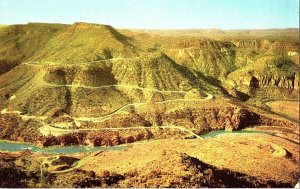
[(156, 14)]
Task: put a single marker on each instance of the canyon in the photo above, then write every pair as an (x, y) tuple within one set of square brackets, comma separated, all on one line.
[(155, 94)]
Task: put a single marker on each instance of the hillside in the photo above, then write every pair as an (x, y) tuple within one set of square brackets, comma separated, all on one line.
[(80, 42), (269, 73), (67, 61), (2, 26), (118, 82), (216, 53), (153, 71), (212, 58), (19, 42), (192, 49), (84, 42)]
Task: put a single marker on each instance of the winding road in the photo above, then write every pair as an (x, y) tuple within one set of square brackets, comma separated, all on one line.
[(45, 63), (76, 165), (270, 110), (50, 129), (277, 150), (109, 86), (106, 117), (59, 131)]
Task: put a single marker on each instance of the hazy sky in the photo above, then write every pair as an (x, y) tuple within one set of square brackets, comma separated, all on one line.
[(165, 14)]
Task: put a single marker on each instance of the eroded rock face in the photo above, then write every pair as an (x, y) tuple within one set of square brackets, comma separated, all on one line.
[(270, 86), (265, 44), (287, 82), (242, 118), (210, 57), (208, 119), (264, 76), (5, 66), (251, 82), (95, 138)]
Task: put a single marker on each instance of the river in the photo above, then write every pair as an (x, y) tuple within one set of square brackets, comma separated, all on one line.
[(10, 146), (219, 132)]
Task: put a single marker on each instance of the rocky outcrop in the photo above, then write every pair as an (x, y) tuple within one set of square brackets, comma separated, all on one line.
[(264, 120), (12, 176), (61, 160), (266, 76), (204, 120), (287, 82), (193, 173), (206, 175), (270, 86), (210, 57), (91, 75), (5, 66), (242, 118), (265, 44), (95, 138), (256, 44), (14, 128)]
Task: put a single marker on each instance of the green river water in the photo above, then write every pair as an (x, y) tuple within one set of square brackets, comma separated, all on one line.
[(10, 146), (216, 133)]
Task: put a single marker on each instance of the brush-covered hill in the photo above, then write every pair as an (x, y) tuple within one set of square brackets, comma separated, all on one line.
[(2, 27), (216, 53), (19, 42), (212, 58), (96, 55), (153, 71), (94, 89), (83, 42), (80, 42)]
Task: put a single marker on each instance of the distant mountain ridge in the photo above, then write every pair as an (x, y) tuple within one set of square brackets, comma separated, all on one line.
[(285, 34)]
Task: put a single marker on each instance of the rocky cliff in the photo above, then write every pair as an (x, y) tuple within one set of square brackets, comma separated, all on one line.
[(279, 73), (264, 44)]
